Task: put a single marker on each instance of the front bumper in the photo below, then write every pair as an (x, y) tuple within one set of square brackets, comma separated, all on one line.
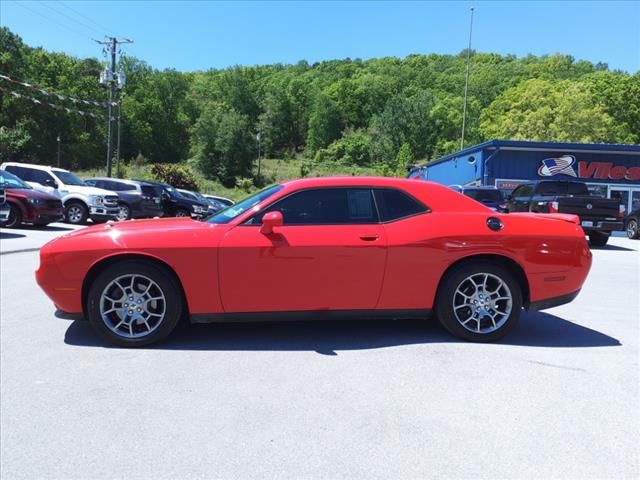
[(102, 213)]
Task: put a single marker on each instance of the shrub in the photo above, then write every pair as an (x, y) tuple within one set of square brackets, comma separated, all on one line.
[(178, 176)]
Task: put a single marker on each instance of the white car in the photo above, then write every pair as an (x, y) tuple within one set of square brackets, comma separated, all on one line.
[(80, 201)]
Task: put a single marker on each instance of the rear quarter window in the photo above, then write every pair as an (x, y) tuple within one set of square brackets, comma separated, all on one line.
[(394, 204)]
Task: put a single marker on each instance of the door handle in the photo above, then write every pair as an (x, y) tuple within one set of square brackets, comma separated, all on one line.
[(369, 238)]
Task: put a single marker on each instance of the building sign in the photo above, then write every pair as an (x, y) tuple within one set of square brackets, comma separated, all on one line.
[(598, 170), (509, 184)]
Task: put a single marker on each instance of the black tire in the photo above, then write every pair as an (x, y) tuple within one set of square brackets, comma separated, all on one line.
[(632, 229), (598, 239), (165, 282), (124, 212), (75, 213), (15, 217), (459, 278), (181, 212)]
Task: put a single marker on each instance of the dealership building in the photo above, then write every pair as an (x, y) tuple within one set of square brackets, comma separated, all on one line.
[(610, 170)]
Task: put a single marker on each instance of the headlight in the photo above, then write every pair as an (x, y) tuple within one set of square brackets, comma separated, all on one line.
[(33, 201), (198, 209), (96, 199)]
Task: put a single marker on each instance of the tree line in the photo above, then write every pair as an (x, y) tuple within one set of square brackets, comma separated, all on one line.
[(384, 112)]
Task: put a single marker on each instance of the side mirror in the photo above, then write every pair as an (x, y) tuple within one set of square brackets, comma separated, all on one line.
[(50, 183), (270, 221)]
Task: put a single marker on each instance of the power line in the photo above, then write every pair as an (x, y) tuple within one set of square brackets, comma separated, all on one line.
[(50, 20), (79, 14), (73, 20)]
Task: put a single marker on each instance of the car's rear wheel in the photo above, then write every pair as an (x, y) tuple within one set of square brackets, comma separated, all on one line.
[(632, 229), (479, 301), (76, 213), (15, 217), (598, 239), (124, 212), (134, 303)]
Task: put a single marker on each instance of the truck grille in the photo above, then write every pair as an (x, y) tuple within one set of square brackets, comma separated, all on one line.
[(111, 200)]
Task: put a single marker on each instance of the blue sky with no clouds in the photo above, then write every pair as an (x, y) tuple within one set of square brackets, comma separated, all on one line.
[(201, 35)]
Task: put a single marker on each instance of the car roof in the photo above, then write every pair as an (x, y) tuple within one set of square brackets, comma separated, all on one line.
[(35, 167), (351, 181), (121, 180)]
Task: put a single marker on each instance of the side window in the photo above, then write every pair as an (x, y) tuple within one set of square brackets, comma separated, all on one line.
[(40, 176), (19, 172), (124, 187), (91, 183), (394, 204), (552, 188), (325, 206), (522, 191)]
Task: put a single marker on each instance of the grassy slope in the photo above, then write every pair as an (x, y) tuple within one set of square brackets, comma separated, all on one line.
[(275, 169)]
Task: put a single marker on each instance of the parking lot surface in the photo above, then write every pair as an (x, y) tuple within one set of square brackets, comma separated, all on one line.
[(379, 399)]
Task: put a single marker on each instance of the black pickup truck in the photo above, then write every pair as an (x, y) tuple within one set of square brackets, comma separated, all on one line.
[(598, 216)]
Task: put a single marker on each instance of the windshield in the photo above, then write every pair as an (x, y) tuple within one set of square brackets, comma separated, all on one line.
[(231, 212), (9, 180), (69, 178), (484, 195)]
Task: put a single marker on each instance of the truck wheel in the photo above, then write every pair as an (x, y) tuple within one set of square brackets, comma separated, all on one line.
[(598, 239), (632, 229), (124, 212), (76, 213), (181, 212)]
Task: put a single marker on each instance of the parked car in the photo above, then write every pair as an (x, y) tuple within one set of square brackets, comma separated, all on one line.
[(4, 208), (80, 201), (320, 248), (227, 202), (176, 205), (488, 196), (28, 205), (135, 199), (598, 216), (213, 206), (632, 223)]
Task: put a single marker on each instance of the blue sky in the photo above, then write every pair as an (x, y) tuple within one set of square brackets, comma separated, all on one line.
[(201, 35)]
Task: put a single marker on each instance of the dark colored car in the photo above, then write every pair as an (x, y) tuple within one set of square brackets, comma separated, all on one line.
[(213, 205), (27, 205), (176, 205), (631, 224), (488, 196), (135, 199), (598, 216)]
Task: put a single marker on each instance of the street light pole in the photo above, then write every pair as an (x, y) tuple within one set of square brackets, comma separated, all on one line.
[(58, 140), (466, 84)]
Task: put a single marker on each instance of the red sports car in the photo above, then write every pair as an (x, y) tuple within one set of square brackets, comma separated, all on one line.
[(321, 247)]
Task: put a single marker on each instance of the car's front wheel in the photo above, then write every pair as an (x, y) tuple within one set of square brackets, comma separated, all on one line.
[(15, 217), (76, 213), (134, 303), (632, 229), (124, 212), (479, 301)]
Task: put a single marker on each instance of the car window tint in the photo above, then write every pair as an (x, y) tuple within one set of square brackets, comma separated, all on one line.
[(552, 188), (91, 182), (40, 176), (522, 191), (578, 189), (19, 172), (325, 206), (394, 204)]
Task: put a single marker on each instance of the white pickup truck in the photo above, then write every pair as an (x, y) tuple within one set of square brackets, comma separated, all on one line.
[(80, 200)]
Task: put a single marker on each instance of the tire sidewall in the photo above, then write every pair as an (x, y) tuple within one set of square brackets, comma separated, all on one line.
[(634, 235), (15, 217), (448, 286), (124, 205), (598, 239), (165, 281)]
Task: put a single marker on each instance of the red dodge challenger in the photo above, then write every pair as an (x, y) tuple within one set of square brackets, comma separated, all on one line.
[(320, 247)]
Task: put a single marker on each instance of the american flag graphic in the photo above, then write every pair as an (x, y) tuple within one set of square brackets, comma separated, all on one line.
[(558, 166)]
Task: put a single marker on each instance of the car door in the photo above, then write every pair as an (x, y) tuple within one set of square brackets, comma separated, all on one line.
[(329, 254)]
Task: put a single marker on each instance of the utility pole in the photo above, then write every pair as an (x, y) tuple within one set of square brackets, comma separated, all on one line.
[(118, 141), (110, 79), (466, 83), (259, 139)]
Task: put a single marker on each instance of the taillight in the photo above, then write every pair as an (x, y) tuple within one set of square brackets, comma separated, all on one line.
[(553, 207), (621, 211)]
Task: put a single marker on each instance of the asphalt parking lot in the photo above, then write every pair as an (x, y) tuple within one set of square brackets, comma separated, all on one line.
[(381, 399)]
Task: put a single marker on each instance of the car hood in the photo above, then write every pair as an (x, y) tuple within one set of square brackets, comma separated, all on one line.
[(30, 193)]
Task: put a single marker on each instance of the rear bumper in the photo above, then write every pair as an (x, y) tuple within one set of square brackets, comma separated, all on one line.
[(605, 226), (552, 302)]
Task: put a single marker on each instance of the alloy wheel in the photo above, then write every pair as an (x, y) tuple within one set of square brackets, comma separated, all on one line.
[(482, 303), (123, 212), (632, 229), (74, 214), (132, 306)]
